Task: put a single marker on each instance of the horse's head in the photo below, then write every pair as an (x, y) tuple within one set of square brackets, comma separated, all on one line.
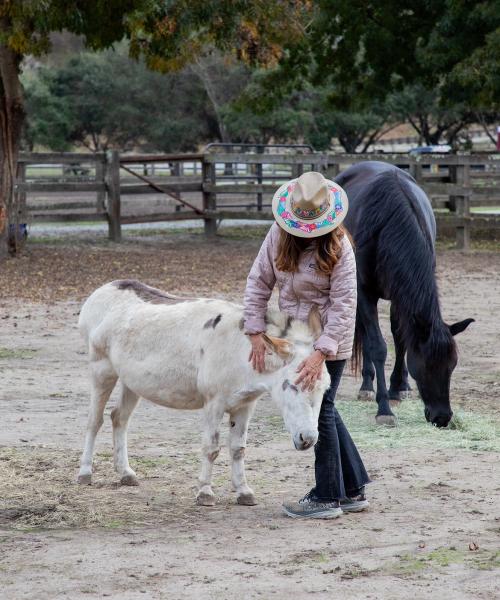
[(300, 409), (431, 361)]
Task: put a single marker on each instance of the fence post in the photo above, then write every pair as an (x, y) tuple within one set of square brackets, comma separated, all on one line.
[(416, 170), (113, 187), (99, 177), (209, 198), (332, 168), (260, 150), (462, 206)]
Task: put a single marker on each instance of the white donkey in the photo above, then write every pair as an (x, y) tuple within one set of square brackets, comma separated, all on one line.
[(192, 354)]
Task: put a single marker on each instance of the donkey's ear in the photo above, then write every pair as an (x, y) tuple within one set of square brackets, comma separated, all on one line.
[(283, 348), (314, 321), (460, 326)]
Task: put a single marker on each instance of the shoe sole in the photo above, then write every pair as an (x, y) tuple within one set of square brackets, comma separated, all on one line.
[(362, 506), (326, 514)]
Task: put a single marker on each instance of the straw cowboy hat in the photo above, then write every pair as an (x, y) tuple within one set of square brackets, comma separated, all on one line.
[(310, 206)]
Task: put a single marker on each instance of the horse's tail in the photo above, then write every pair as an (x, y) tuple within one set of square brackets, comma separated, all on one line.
[(357, 351)]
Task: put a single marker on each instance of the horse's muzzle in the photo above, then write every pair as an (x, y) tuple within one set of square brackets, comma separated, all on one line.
[(440, 419)]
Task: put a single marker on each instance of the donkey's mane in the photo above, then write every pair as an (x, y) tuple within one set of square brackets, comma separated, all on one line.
[(405, 260)]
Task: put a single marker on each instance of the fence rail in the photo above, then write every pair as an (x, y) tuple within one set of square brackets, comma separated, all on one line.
[(215, 185)]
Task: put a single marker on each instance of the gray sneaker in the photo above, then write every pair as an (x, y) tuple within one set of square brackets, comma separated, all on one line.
[(355, 504), (310, 507)]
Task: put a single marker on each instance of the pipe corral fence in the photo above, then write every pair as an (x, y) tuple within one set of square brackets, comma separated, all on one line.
[(221, 184)]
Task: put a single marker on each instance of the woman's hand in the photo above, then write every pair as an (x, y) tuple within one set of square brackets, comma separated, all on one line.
[(310, 370), (258, 351)]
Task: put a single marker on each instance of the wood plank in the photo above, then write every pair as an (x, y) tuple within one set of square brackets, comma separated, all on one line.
[(156, 217), (60, 157), (66, 217), (240, 188), (56, 206), (154, 158), (268, 159), (76, 186), (142, 188)]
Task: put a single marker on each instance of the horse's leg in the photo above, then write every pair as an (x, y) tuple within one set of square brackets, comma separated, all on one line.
[(212, 417), (120, 416), (238, 421), (399, 388), (366, 391), (376, 349), (103, 380)]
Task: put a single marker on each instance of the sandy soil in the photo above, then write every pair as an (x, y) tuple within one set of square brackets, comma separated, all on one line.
[(58, 540)]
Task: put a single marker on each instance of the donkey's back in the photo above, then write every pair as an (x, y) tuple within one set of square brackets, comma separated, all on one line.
[(159, 345)]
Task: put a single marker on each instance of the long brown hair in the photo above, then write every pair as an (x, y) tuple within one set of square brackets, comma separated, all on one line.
[(327, 251)]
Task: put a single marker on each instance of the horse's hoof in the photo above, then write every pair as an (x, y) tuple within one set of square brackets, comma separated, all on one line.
[(405, 394), (85, 479), (366, 395), (204, 499), (246, 500), (394, 402), (129, 480), (389, 420)]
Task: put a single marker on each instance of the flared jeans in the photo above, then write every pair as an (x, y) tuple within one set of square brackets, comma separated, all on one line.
[(340, 472)]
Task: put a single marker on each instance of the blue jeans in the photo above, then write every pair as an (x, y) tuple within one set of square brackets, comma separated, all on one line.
[(339, 470)]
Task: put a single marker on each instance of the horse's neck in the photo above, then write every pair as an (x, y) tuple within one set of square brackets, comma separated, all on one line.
[(418, 311)]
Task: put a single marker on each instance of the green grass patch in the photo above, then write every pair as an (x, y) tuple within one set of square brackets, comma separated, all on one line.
[(24, 353), (469, 431), (409, 564)]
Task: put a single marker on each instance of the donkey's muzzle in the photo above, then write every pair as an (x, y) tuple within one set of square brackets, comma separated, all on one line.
[(305, 440)]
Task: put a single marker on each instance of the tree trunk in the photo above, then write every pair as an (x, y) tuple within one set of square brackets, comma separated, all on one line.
[(11, 122)]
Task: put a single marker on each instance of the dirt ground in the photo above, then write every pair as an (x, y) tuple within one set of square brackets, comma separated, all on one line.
[(433, 525)]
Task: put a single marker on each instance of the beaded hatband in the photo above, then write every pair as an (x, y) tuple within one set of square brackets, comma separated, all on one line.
[(308, 227)]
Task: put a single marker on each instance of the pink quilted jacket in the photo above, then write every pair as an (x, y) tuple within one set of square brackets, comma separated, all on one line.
[(335, 294)]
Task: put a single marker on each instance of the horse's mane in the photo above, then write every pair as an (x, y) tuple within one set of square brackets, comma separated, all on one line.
[(405, 260)]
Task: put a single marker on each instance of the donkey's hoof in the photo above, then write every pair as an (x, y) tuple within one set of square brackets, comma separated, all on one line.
[(129, 480), (85, 479), (205, 499), (389, 420), (366, 395), (246, 500)]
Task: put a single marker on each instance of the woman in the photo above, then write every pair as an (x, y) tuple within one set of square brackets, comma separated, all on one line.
[(308, 253)]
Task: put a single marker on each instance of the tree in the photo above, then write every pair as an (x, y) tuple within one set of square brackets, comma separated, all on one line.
[(106, 100), (168, 35), (432, 117), (369, 51)]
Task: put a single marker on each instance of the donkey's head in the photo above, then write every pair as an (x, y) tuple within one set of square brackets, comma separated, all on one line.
[(432, 357), (300, 409)]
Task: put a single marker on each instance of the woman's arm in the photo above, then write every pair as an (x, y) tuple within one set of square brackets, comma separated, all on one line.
[(343, 298), (260, 283)]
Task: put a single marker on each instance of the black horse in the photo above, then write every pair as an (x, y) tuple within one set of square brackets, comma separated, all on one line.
[(393, 226)]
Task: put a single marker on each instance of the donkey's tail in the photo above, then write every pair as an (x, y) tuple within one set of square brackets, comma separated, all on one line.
[(357, 351)]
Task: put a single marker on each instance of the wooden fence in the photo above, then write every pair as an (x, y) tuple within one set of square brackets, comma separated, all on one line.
[(119, 189)]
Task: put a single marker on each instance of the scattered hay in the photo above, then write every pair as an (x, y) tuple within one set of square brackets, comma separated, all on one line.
[(468, 431), (38, 490)]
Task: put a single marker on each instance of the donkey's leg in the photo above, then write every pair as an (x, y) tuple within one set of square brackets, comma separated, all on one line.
[(212, 417), (103, 380), (399, 388), (120, 416), (238, 421), (377, 351)]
